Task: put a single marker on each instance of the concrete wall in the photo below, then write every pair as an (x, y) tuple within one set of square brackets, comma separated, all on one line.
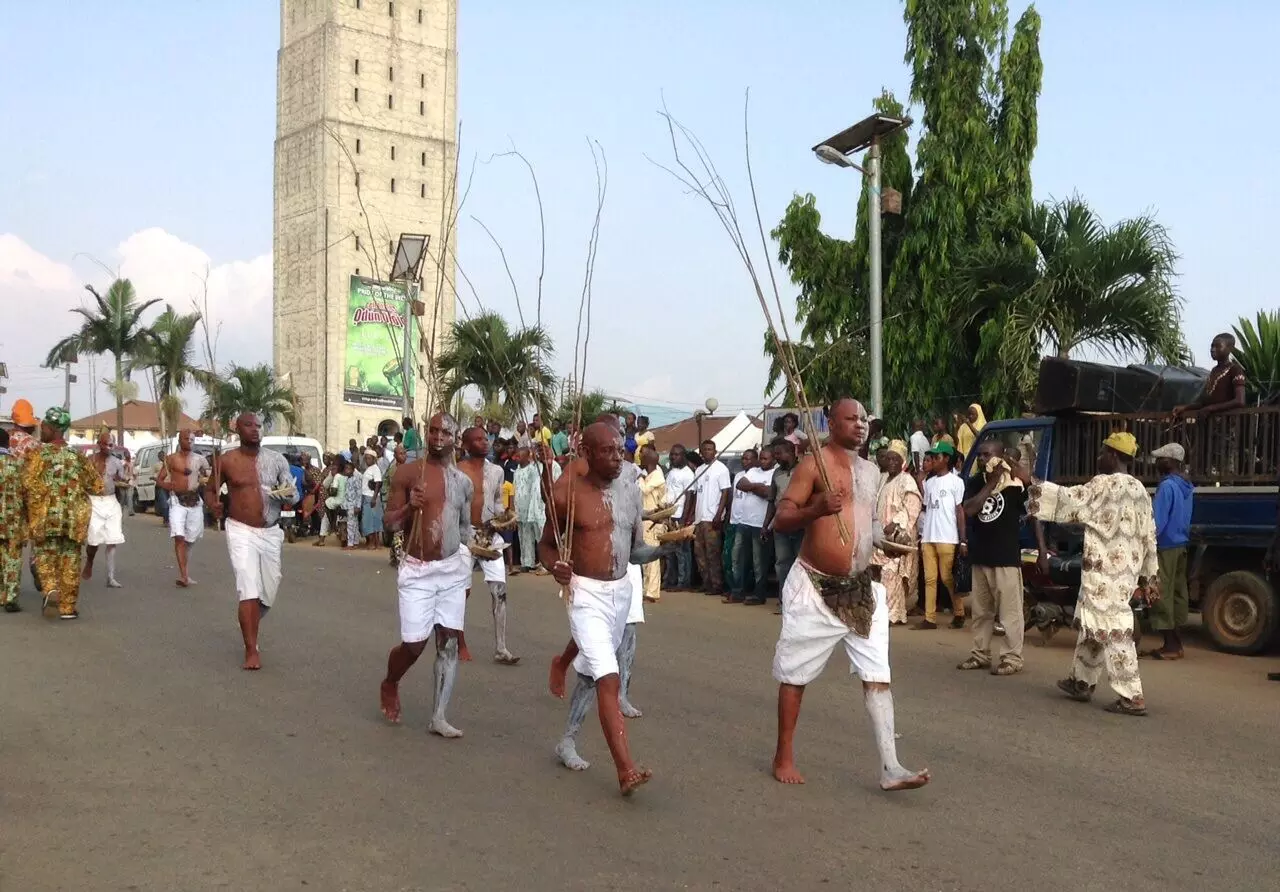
[(336, 214)]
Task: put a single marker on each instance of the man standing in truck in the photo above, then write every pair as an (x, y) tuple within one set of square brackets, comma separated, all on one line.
[(1172, 507), (1224, 388)]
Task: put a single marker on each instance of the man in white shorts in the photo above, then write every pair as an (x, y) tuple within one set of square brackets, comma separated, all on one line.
[(430, 502), (182, 475), (106, 519), (258, 482), (606, 538), (829, 599), (486, 506)]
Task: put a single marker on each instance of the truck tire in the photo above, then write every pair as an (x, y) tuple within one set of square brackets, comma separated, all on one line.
[(1241, 612)]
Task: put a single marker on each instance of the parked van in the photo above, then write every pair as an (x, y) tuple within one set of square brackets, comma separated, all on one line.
[(310, 449), (147, 458)]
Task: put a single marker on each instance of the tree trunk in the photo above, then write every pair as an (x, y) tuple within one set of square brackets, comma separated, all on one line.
[(119, 400)]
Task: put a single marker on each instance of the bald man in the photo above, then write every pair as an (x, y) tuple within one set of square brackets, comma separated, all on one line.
[(258, 483), (828, 598), (606, 539), (486, 506), (430, 502)]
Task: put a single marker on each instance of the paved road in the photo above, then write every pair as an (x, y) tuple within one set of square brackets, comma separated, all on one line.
[(136, 755)]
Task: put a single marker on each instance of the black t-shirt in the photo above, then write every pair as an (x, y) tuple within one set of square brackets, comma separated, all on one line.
[(509, 468), (993, 532)]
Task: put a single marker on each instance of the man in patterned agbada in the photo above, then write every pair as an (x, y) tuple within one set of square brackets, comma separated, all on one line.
[(1120, 566)]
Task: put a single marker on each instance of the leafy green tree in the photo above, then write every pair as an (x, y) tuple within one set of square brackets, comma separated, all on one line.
[(113, 326), (504, 365), (168, 354), (1067, 281), (594, 404), (254, 389), (1258, 350)]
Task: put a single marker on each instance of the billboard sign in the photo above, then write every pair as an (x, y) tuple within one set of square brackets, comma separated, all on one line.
[(377, 313)]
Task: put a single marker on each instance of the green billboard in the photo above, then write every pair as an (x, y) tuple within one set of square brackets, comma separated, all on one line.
[(376, 316)]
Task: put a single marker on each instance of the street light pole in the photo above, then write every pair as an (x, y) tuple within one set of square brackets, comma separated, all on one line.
[(406, 372), (873, 252)]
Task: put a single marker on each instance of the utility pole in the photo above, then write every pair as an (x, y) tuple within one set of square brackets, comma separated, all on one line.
[(873, 258), (4, 376), (70, 379)]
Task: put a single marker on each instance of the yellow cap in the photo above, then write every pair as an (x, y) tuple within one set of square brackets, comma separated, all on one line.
[(1122, 442)]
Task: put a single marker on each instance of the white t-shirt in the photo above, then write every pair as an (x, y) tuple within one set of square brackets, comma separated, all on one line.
[(748, 508), (712, 481), (919, 445), (370, 476), (941, 496), (677, 480)]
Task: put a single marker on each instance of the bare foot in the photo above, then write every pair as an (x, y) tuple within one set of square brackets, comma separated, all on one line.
[(180, 582), (505, 658), (556, 680), (87, 572), (190, 581), (464, 652), (785, 772), (389, 693), (630, 711), (629, 781), (252, 662), (443, 729), (567, 753), (903, 779)]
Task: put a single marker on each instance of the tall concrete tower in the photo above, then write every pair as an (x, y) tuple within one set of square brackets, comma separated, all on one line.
[(366, 147)]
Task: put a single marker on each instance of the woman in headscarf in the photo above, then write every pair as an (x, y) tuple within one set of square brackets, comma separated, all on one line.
[(970, 426), (898, 507)]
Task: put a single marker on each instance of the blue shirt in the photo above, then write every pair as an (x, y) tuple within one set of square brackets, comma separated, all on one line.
[(299, 481), (1172, 510)]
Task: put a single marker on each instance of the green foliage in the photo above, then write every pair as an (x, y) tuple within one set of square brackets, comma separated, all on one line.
[(254, 389), (1258, 350), (112, 327), (507, 366), (168, 353), (1064, 280), (594, 404)]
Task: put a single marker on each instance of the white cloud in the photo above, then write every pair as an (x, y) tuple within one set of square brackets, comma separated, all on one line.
[(37, 293)]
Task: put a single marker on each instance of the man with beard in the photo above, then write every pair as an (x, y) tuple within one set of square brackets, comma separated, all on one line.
[(430, 502), (829, 599), (258, 483)]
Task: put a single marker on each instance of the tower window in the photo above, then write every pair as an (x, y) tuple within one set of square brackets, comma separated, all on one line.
[(391, 9), (419, 16), (422, 81), (422, 191), (357, 179), (391, 73), (357, 270), (391, 247), (393, 153), (357, 147), (422, 107), (390, 101), (357, 66), (357, 243), (393, 184), (357, 7), (357, 94), (424, 159)]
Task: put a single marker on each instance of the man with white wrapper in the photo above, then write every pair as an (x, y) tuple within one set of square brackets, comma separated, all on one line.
[(486, 508), (106, 518), (258, 483), (430, 502), (829, 599)]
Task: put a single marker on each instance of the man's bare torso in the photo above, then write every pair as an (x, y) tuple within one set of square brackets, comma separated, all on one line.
[(439, 531), (245, 499), (604, 522), (822, 548), (183, 471)]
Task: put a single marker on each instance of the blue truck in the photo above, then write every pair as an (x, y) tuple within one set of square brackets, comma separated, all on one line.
[(1231, 460)]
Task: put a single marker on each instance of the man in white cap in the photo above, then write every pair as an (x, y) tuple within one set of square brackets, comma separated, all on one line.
[(1172, 509)]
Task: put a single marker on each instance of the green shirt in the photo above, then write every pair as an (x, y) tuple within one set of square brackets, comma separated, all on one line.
[(559, 443), (410, 440)]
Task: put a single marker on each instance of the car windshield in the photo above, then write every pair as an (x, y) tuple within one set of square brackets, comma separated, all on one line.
[(309, 452)]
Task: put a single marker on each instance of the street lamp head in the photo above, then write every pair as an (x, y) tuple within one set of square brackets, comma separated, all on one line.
[(828, 155), (712, 404)]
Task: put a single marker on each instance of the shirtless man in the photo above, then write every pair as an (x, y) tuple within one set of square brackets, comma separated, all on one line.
[(486, 505), (828, 598), (258, 482), (183, 474), (430, 502), (606, 537), (106, 517)]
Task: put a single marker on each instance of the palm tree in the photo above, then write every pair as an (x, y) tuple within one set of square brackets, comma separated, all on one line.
[(254, 389), (167, 355), (507, 366), (594, 404), (113, 327), (1258, 351), (1065, 281)]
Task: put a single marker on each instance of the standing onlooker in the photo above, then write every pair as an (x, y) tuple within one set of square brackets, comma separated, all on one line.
[(371, 501), (1172, 509), (653, 496), (559, 439), (995, 497), (12, 526), (352, 496), (644, 437), (898, 508), (522, 436), (919, 445), (335, 489), (787, 427), (539, 434), (876, 439), (968, 428), (707, 512), (942, 534), (751, 491), (1224, 388), (531, 512), (629, 434), (786, 546), (940, 434), (679, 476), (412, 442)]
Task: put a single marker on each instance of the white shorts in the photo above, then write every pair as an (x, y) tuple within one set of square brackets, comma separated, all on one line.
[(187, 523), (496, 569), (811, 633), (255, 559), (635, 613), (105, 522), (597, 620), (432, 593)]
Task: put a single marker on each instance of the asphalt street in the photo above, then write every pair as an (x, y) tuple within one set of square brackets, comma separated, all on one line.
[(136, 755)]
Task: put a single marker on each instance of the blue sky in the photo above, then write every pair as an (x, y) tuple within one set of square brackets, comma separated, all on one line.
[(141, 134)]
